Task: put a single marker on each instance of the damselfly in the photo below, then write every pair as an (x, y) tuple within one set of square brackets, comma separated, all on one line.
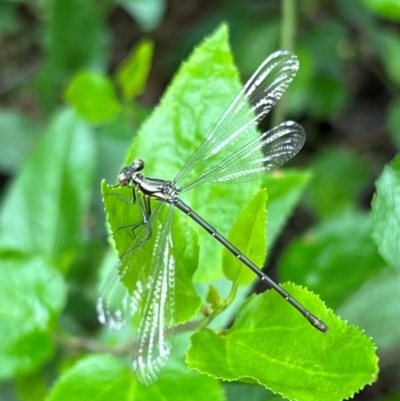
[(233, 152)]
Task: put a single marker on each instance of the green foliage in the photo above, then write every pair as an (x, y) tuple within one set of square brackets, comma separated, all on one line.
[(260, 314), (75, 34), (285, 190), (248, 235), (109, 378), (386, 214), (26, 337), (52, 222), (147, 13), (93, 97), (393, 117), (389, 9), (390, 46), (380, 295), (272, 344), (329, 194), (192, 95), (8, 23), (324, 260), (133, 71), (15, 147), (43, 208)]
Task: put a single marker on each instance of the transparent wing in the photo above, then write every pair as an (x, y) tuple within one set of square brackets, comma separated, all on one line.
[(260, 156), (116, 305), (250, 106), (156, 328), (144, 284)]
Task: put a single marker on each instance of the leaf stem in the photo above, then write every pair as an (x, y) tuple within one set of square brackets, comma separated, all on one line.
[(77, 344)]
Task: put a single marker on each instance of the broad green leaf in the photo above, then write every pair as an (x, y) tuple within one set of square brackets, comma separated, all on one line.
[(334, 258), (132, 73), (284, 191), (45, 205), (76, 34), (147, 13), (334, 190), (389, 48), (199, 93), (248, 235), (109, 379), (32, 294), (389, 9), (121, 212), (272, 344), (375, 307), (17, 137), (386, 214), (101, 375), (93, 97)]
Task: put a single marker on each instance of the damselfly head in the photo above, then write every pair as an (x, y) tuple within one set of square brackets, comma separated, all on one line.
[(128, 172)]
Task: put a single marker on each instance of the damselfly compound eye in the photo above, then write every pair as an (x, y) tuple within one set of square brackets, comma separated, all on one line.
[(123, 179)]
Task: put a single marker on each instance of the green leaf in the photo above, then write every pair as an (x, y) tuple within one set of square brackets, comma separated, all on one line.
[(132, 73), (109, 379), (334, 190), (389, 9), (44, 207), (272, 344), (334, 258), (389, 48), (248, 235), (76, 34), (375, 307), (147, 13), (188, 111), (121, 212), (284, 189), (386, 214), (93, 96), (17, 137), (102, 375), (185, 241), (32, 294), (214, 299)]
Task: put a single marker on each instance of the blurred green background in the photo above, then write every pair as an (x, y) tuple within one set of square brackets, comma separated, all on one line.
[(108, 62)]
